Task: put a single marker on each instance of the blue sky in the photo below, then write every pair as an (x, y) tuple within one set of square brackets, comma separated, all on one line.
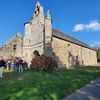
[(77, 18)]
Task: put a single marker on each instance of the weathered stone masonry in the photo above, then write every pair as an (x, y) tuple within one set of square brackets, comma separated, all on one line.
[(13, 47), (52, 42), (62, 48)]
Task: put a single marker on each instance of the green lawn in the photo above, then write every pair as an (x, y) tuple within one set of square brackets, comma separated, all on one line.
[(32, 85), (98, 65)]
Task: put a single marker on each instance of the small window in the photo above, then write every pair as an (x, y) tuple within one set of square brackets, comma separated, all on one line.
[(38, 9), (14, 47), (69, 45)]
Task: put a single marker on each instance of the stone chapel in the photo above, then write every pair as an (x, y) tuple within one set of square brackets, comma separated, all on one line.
[(40, 35)]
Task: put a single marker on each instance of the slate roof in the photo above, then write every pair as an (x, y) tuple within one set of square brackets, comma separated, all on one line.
[(61, 35)]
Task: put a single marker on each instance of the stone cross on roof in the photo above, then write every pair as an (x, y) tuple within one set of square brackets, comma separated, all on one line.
[(48, 15)]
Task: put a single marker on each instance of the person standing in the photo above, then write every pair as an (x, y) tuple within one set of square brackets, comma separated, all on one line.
[(20, 65), (8, 65), (13, 65), (2, 65)]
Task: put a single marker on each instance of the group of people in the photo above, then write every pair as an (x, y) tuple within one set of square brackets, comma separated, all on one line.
[(17, 65)]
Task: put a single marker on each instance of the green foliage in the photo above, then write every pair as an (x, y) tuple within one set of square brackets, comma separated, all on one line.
[(33, 85), (98, 54)]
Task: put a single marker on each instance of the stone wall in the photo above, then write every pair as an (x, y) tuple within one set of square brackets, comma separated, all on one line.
[(26, 43), (34, 34), (48, 35), (7, 50), (27, 54), (66, 53), (60, 52), (37, 42), (27, 37), (89, 56)]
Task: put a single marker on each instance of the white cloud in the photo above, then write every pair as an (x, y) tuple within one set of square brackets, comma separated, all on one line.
[(92, 25), (79, 27)]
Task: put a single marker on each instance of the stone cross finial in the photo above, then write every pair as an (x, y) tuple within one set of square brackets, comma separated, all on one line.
[(48, 15), (19, 34)]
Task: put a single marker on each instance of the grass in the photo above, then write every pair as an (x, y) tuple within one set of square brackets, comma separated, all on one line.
[(32, 85), (98, 65)]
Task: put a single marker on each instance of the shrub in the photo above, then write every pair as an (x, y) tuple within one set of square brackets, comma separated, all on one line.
[(43, 63), (98, 55)]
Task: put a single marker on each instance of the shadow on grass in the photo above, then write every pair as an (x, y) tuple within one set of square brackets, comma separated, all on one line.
[(32, 85)]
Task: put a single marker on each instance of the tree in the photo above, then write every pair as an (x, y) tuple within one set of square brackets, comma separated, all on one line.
[(98, 55)]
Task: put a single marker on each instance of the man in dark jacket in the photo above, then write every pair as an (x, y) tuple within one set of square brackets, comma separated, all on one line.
[(2, 65)]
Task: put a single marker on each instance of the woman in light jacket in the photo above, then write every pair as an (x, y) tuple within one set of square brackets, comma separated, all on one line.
[(2, 65)]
